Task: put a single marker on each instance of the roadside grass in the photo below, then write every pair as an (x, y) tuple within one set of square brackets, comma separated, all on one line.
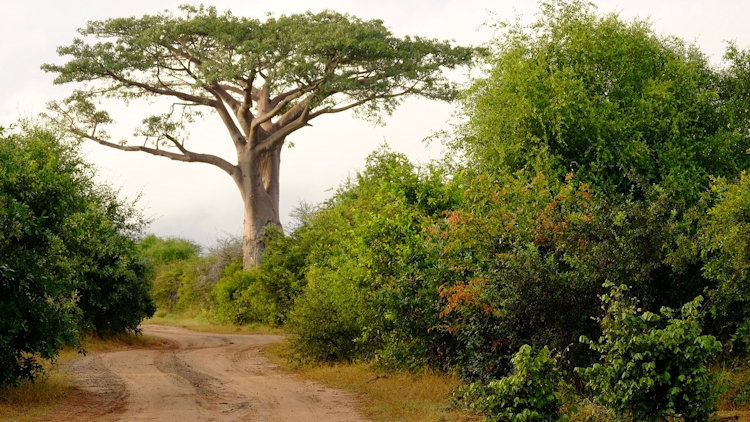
[(32, 401), (383, 395), (203, 322), (735, 402)]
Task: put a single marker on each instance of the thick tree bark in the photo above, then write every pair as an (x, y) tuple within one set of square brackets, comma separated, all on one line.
[(257, 178)]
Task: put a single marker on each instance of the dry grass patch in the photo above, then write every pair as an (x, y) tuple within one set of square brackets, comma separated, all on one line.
[(32, 401), (203, 323), (735, 402), (384, 396)]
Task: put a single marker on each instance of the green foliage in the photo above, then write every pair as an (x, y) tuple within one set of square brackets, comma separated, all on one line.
[(173, 268), (330, 317), (724, 242), (622, 107), (363, 259), (529, 393), (515, 255), (165, 251), (68, 262), (652, 366), (230, 292), (114, 289), (173, 283), (38, 312)]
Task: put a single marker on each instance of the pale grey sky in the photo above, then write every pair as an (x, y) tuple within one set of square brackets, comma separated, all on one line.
[(201, 202)]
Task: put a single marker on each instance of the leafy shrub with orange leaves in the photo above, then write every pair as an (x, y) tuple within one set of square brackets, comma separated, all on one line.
[(511, 278), (524, 259)]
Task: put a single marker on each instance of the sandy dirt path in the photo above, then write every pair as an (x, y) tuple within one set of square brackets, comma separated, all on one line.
[(201, 377)]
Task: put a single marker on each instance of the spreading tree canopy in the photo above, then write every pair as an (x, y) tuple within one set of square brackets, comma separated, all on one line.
[(265, 79)]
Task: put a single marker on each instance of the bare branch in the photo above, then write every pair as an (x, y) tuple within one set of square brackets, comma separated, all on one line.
[(235, 105), (281, 97), (185, 156), (290, 115), (241, 109), (176, 143), (327, 110)]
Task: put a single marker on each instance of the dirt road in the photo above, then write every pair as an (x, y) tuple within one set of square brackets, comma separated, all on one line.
[(200, 377)]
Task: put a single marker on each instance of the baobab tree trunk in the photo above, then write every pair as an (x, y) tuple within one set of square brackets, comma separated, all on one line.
[(257, 178)]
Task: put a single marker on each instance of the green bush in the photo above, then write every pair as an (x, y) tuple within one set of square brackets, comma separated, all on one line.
[(68, 260), (229, 292), (652, 366), (328, 320), (160, 251), (529, 393), (173, 285), (173, 268), (516, 273), (39, 180), (364, 252)]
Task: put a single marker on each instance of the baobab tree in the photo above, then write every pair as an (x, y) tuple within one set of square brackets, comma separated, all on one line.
[(264, 79)]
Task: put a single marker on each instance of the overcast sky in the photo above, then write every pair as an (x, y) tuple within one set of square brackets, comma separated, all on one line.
[(201, 202)]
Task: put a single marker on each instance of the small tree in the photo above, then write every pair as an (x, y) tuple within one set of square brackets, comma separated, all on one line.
[(530, 393), (264, 79), (652, 366)]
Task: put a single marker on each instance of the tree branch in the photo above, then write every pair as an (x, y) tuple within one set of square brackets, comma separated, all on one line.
[(281, 97), (244, 116), (274, 111), (360, 102), (279, 135), (185, 156), (234, 131), (163, 91), (290, 115)]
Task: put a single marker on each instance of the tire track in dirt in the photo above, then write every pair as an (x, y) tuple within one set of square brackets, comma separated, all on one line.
[(99, 393), (213, 395), (204, 376)]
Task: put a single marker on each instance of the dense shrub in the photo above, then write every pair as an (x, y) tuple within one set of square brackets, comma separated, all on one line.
[(230, 295), (652, 366), (114, 291), (68, 262), (329, 319), (644, 121), (529, 393), (226, 251), (172, 266), (515, 274), (369, 266), (160, 251)]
